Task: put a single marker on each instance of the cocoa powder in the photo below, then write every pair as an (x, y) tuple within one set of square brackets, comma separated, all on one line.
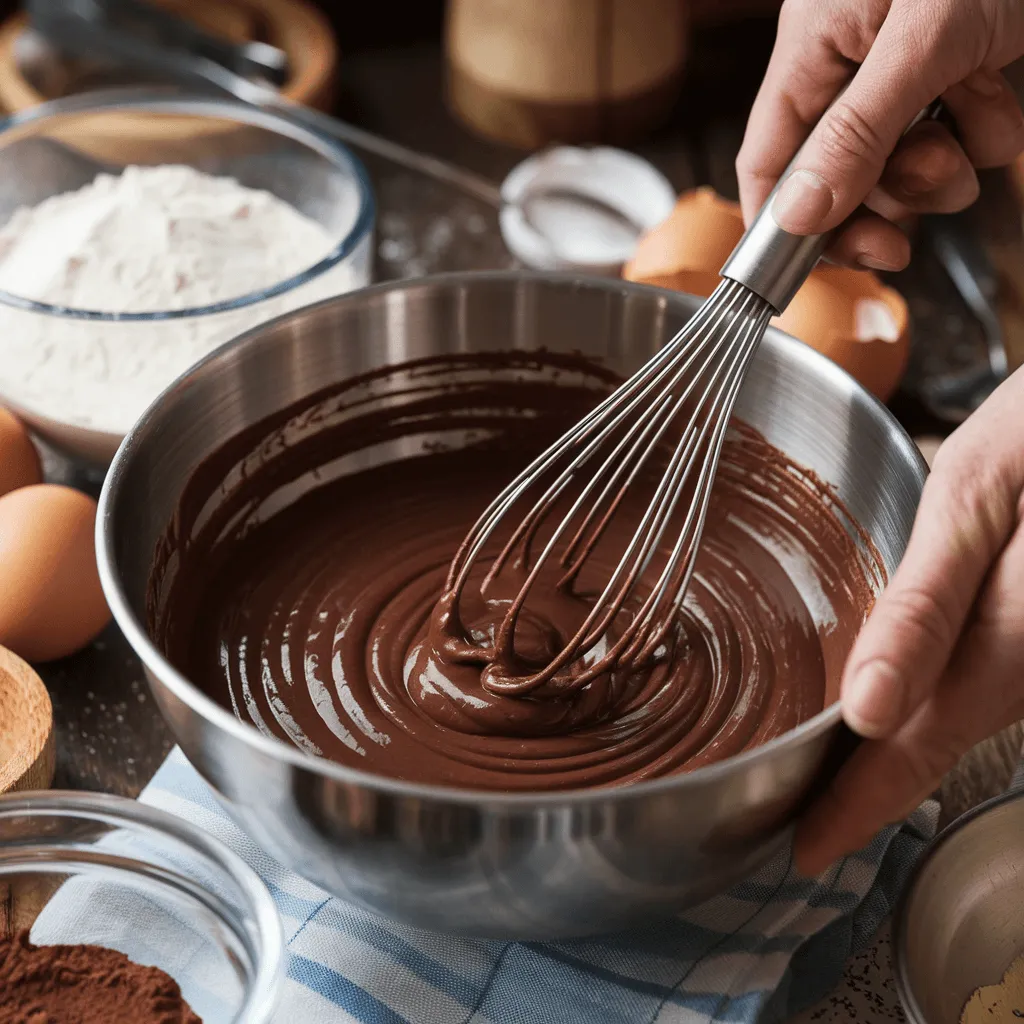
[(84, 985)]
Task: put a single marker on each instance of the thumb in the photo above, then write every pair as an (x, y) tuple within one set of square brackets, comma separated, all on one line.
[(963, 521), (845, 155)]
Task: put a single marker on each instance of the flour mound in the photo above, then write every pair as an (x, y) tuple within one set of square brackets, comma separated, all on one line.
[(149, 240)]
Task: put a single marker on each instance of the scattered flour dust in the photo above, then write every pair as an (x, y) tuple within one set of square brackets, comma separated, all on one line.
[(152, 239)]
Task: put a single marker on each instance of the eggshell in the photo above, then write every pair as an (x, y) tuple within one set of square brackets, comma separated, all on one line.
[(51, 603), (698, 235), (19, 460), (827, 314), (694, 282)]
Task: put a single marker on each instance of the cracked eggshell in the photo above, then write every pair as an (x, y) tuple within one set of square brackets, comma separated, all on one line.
[(848, 315), (698, 236), (855, 320)]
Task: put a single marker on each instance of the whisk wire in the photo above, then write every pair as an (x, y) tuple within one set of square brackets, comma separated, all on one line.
[(699, 370), (650, 427), (492, 515)]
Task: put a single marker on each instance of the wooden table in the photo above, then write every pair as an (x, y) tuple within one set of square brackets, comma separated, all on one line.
[(109, 734)]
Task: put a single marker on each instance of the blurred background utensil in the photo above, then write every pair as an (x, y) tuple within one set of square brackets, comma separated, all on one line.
[(250, 59), (92, 31), (955, 395), (958, 925)]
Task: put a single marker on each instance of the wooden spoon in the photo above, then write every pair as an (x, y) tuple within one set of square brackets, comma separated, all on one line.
[(26, 727)]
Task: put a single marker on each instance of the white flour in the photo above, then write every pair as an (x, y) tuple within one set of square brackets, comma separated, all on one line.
[(152, 239)]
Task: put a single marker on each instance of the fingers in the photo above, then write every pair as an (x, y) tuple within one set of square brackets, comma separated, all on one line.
[(989, 119), (929, 172), (967, 511), (937, 667), (804, 75), (980, 694), (870, 242), (846, 153)]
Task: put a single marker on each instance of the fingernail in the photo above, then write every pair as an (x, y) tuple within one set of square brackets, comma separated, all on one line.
[(868, 262), (802, 203), (872, 701), (988, 84)]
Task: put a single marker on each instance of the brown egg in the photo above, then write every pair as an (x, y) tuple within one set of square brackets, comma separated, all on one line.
[(19, 460), (698, 235), (51, 604), (851, 317)]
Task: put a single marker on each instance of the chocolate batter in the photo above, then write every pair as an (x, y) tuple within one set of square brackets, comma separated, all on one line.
[(299, 586)]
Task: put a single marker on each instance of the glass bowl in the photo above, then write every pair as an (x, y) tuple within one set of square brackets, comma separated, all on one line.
[(107, 871), (62, 146)]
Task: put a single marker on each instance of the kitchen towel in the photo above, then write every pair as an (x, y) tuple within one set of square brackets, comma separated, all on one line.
[(767, 949)]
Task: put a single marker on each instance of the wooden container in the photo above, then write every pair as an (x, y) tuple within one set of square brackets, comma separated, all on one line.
[(295, 26), (26, 727), (531, 72)]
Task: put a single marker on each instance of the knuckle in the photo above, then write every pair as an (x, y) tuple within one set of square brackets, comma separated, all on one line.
[(746, 162), (923, 612), (981, 507), (847, 136)]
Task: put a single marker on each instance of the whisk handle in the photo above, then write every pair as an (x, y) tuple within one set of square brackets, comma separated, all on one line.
[(773, 263)]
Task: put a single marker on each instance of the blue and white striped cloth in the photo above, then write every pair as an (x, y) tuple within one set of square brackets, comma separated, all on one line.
[(766, 950)]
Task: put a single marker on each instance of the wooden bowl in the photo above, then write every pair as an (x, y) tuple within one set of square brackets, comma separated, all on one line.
[(26, 727), (295, 26)]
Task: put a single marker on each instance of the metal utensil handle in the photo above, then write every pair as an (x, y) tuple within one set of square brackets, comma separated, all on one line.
[(440, 170), (974, 277), (69, 30), (773, 263)]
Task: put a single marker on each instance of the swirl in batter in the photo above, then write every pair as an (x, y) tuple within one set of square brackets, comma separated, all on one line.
[(298, 583)]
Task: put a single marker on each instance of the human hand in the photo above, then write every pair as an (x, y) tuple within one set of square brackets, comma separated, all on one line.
[(909, 53), (939, 666)]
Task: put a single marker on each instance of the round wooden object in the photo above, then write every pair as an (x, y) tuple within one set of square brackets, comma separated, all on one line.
[(26, 727), (295, 26), (531, 72)]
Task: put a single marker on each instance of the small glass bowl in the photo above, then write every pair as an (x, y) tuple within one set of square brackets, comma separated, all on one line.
[(107, 871), (60, 147)]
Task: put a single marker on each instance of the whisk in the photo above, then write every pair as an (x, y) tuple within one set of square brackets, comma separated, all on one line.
[(677, 408)]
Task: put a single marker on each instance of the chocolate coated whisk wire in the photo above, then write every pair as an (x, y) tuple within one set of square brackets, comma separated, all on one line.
[(699, 371)]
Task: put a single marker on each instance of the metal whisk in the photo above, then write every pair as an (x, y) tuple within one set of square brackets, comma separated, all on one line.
[(675, 410)]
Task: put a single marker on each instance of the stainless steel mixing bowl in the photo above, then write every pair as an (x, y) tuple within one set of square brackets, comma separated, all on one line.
[(960, 923), (526, 866)]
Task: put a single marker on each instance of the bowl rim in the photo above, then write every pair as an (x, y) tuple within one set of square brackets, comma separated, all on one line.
[(174, 101), (107, 808), (901, 913), (193, 697)]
